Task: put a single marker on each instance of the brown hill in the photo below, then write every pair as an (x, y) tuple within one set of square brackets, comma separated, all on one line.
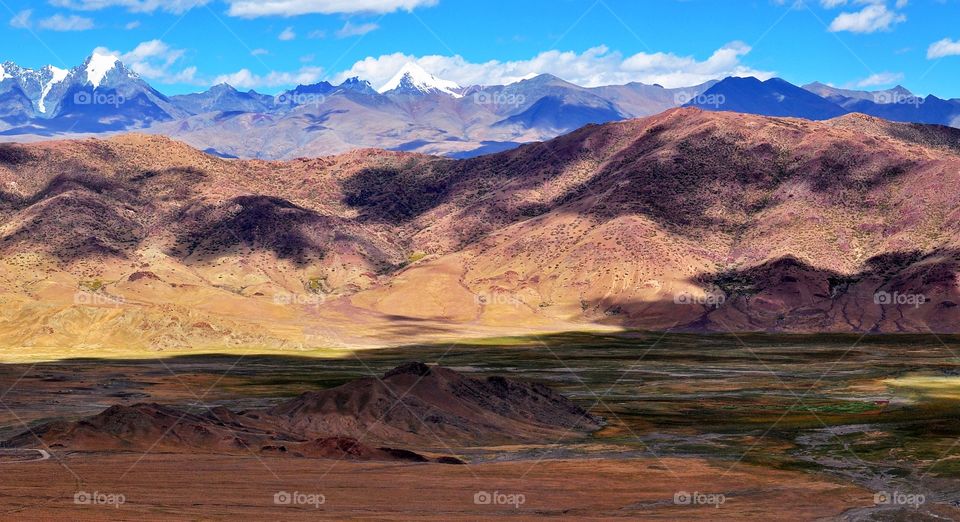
[(412, 404), (416, 402), (161, 429), (686, 220)]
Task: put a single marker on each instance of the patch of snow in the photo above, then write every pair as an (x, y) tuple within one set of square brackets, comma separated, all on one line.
[(57, 75), (413, 76), (3, 73), (98, 66)]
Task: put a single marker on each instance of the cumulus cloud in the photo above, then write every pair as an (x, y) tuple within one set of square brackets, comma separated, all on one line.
[(255, 8), (156, 61), (350, 29), (876, 80), (287, 35), (138, 6), (21, 20), (594, 67), (944, 48), (245, 79), (875, 16), (59, 22)]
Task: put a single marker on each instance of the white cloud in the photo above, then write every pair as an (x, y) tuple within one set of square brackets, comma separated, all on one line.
[(244, 79), (255, 8), (138, 6), (259, 52), (350, 29), (21, 20), (155, 61), (132, 25), (59, 22), (288, 34), (593, 67), (876, 80), (831, 4), (872, 18), (944, 48)]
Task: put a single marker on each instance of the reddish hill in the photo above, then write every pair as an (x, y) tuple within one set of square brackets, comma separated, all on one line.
[(687, 220), (419, 402), (412, 404)]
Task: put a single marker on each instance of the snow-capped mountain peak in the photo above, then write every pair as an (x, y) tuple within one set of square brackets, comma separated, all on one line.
[(55, 75), (98, 65), (10, 70), (413, 79)]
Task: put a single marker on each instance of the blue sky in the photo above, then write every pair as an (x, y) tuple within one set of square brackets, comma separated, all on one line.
[(188, 45)]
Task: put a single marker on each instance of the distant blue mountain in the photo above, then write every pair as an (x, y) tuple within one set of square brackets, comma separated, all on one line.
[(915, 109), (774, 97), (555, 113), (896, 104), (223, 98), (415, 112)]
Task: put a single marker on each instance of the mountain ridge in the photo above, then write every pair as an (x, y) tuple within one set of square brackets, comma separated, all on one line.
[(415, 112), (689, 220)]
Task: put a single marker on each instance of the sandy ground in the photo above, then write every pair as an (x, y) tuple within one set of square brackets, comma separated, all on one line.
[(167, 487)]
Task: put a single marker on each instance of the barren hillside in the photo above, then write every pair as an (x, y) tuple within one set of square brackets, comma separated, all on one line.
[(687, 220)]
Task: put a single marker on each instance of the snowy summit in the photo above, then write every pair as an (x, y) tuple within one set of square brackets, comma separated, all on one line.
[(412, 79), (98, 65)]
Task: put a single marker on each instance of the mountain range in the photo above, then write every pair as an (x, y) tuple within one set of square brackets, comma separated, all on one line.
[(415, 111), (689, 220)]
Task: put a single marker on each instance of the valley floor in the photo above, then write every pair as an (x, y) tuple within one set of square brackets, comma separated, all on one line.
[(778, 427), (167, 487)]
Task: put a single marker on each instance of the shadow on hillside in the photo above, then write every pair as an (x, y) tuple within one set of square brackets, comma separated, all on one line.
[(680, 184), (80, 214), (256, 222), (896, 292)]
